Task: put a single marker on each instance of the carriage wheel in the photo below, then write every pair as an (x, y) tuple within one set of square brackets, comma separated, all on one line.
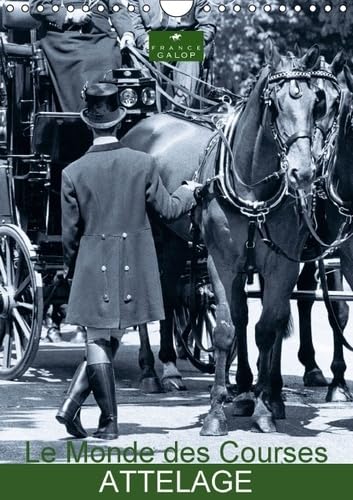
[(21, 303), (195, 337)]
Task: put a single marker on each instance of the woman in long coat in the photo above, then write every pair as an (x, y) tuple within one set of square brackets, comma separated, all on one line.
[(80, 46)]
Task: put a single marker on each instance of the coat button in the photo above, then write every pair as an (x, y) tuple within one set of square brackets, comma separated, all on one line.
[(124, 235), (126, 268), (106, 297), (128, 297), (103, 236), (104, 268)]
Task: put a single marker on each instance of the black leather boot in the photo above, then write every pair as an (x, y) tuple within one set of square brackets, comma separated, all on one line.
[(102, 383), (69, 412)]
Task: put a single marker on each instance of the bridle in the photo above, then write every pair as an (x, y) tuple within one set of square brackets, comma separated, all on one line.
[(226, 167)]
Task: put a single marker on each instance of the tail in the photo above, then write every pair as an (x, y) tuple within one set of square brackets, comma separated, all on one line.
[(289, 328)]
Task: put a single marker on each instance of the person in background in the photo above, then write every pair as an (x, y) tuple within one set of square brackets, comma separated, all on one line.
[(81, 45), (109, 252), (196, 19)]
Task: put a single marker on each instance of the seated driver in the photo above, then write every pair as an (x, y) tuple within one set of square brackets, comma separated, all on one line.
[(81, 45), (196, 19)]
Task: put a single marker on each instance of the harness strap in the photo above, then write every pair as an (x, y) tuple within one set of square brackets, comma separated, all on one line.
[(302, 134), (250, 251), (337, 330), (339, 240), (162, 76)]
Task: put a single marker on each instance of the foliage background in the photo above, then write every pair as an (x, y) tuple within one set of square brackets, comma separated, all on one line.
[(240, 37)]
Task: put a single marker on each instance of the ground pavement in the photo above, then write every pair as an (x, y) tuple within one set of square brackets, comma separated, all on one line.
[(28, 406)]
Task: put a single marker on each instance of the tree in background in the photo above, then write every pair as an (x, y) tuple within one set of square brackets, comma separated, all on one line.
[(241, 35)]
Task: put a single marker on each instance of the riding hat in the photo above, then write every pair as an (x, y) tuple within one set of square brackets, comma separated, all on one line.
[(103, 110)]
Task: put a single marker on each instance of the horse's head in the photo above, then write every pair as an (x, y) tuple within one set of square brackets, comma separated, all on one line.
[(326, 119), (294, 105)]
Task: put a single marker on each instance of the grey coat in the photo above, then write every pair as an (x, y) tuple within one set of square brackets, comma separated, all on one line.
[(108, 246)]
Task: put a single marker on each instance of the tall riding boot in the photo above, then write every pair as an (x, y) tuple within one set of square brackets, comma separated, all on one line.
[(69, 412), (77, 393), (102, 382)]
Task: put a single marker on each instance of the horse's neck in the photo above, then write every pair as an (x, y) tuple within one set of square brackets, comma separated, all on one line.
[(343, 171), (254, 149)]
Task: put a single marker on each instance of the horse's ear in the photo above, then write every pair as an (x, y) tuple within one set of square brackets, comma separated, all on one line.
[(297, 50), (272, 56), (338, 62), (310, 59), (349, 77)]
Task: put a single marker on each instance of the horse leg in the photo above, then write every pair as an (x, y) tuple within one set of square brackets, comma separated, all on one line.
[(338, 390), (272, 326), (313, 376), (150, 382), (172, 258), (243, 403), (215, 423)]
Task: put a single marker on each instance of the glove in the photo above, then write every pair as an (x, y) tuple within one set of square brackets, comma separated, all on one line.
[(192, 185), (146, 46), (126, 40)]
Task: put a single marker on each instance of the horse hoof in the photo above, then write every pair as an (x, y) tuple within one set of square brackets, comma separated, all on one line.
[(171, 384), (54, 335), (214, 425), (314, 378), (278, 410), (264, 424), (243, 405), (338, 393), (262, 417), (151, 385)]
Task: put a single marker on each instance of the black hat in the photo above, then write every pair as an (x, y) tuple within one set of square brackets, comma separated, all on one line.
[(103, 109)]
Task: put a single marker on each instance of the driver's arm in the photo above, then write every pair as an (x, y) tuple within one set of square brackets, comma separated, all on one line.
[(57, 19)]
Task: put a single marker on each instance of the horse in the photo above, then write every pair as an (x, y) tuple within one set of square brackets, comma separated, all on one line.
[(335, 211), (283, 129)]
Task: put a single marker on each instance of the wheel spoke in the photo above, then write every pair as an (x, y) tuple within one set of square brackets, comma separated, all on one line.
[(9, 263), (6, 348), (18, 343), (21, 323), (211, 320), (18, 269), (22, 286), (3, 271), (25, 305)]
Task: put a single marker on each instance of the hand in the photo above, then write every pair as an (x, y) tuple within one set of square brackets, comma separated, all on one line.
[(146, 46), (192, 185), (126, 40), (78, 16)]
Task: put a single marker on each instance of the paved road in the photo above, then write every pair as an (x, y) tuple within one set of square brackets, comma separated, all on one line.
[(28, 407)]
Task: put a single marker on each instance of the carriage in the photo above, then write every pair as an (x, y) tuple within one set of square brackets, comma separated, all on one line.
[(36, 143)]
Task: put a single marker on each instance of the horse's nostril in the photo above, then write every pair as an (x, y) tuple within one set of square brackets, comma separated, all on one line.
[(294, 174)]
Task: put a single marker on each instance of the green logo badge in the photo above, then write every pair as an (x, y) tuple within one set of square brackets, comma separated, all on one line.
[(174, 46)]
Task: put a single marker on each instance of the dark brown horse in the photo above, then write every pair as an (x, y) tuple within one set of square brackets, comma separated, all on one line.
[(333, 212), (178, 144), (275, 248)]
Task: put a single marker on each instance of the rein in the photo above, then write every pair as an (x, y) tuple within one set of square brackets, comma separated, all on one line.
[(161, 76)]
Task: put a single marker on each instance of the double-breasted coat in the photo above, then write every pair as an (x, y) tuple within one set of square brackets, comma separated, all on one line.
[(108, 246)]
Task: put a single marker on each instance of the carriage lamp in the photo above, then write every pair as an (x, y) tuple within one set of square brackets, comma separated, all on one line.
[(128, 97), (148, 96), (137, 91)]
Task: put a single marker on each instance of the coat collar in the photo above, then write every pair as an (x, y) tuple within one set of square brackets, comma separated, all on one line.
[(110, 146)]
